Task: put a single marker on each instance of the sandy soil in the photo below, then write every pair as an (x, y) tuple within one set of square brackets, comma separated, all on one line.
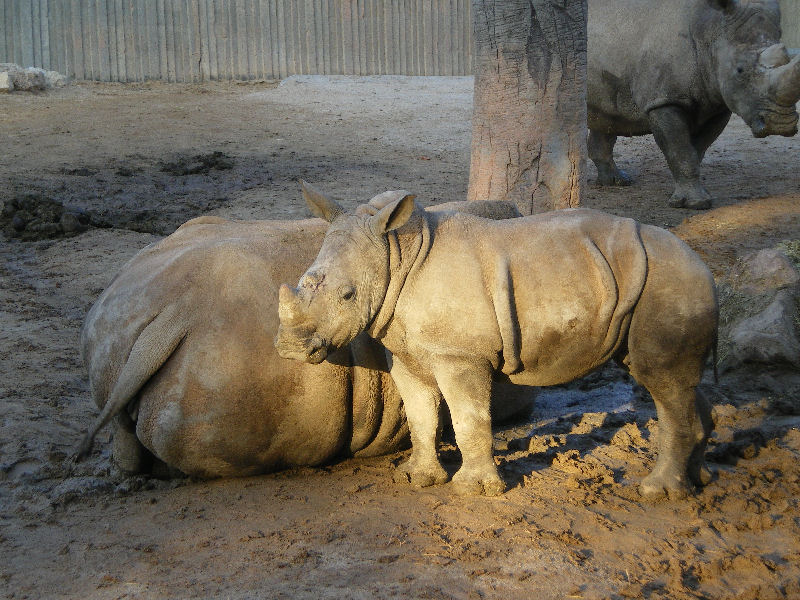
[(571, 524)]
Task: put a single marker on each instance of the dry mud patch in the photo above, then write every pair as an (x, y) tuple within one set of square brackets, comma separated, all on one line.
[(140, 160)]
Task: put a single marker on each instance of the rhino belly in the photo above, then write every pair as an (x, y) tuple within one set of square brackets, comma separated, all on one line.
[(610, 105), (240, 412)]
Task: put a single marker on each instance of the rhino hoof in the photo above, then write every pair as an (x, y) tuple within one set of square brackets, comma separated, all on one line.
[(621, 179), (419, 477), (699, 200), (700, 474), (657, 487), (698, 203), (490, 485), (617, 178)]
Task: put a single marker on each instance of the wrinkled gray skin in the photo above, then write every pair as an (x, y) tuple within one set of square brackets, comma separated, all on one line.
[(181, 356), (461, 301), (677, 70)]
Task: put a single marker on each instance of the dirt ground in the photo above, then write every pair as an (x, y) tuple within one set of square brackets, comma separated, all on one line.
[(140, 160)]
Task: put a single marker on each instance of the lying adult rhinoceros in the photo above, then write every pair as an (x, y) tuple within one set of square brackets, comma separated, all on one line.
[(180, 351), (459, 300), (677, 70)]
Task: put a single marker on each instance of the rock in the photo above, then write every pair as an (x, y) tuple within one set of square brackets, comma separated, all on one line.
[(767, 269), (6, 84), (28, 80), (32, 79), (771, 335), (54, 79)]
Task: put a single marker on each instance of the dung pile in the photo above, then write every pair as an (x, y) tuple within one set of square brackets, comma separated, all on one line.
[(199, 164), (34, 217)]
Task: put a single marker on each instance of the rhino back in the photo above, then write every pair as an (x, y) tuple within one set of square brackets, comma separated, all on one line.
[(547, 295), (641, 55)]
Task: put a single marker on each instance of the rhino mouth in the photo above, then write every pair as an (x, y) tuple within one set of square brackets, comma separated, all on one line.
[(317, 355), (312, 351), (774, 119)]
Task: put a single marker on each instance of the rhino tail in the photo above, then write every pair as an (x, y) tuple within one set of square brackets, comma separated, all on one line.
[(157, 341)]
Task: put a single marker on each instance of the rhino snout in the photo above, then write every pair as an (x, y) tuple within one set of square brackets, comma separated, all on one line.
[(782, 122)]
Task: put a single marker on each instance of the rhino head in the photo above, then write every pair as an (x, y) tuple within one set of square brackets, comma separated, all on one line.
[(341, 292), (755, 76)]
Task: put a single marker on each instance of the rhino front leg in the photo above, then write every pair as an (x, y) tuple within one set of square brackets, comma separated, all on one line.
[(709, 132), (467, 389), (421, 400), (601, 151), (670, 126)]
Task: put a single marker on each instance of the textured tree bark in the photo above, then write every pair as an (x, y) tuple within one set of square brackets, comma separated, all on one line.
[(529, 119)]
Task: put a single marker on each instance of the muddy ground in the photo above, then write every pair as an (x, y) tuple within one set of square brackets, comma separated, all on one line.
[(133, 162)]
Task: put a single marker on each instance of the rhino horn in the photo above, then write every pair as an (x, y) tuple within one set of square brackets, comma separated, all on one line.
[(321, 206), (288, 305), (785, 82), (774, 56)]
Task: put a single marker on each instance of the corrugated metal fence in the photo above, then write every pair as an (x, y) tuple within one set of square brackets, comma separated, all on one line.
[(790, 22), (195, 40)]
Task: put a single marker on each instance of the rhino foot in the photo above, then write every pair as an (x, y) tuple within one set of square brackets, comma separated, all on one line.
[(695, 198), (614, 177), (128, 453), (700, 474), (419, 475), (660, 485), (475, 484)]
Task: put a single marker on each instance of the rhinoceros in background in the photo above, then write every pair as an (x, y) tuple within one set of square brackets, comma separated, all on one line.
[(460, 301), (180, 352), (678, 69)]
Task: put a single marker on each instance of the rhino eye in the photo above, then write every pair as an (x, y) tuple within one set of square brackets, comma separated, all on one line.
[(347, 292)]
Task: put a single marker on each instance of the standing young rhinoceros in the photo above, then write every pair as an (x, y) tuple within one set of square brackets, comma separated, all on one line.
[(460, 300), (678, 69), (180, 351)]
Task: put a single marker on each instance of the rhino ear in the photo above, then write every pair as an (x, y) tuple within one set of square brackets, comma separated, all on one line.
[(393, 215), (320, 205)]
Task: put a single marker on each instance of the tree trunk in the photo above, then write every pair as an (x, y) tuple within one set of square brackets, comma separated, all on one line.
[(529, 119)]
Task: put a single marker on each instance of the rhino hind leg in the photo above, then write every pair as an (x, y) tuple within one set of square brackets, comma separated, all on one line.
[(157, 341), (601, 151), (699, 473), (131, 456), (127, 452), (672, 331), (671, 130), (683, 430)]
